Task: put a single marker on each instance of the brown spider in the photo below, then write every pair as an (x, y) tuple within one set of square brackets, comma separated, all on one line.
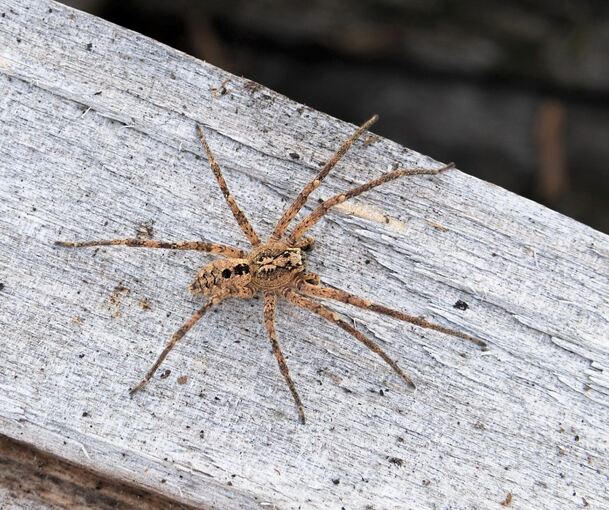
[(277, 267)]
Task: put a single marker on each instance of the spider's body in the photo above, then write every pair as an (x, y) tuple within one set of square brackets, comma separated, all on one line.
[(270, 267), (275, 265), (277, 268)]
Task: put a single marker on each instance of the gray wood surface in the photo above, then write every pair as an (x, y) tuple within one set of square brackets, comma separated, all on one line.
[(97, 141)]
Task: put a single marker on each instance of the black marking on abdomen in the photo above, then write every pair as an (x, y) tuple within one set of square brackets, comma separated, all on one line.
[(241, 269)]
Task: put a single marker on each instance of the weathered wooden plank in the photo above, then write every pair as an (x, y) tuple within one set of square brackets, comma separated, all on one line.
[(30, 478), (97, 140)]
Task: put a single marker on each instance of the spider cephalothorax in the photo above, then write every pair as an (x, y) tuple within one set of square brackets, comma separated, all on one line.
[(277, 267)]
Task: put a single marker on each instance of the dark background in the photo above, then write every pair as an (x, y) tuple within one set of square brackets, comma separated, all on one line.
[(515, 92)]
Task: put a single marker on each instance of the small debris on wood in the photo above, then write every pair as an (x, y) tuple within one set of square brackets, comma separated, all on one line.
[(252, 86), (508, 500), (114, 301), (461, 305), (395, 460), (166, 374), (182, 379), (370, 140), (437, 226), (145, 230), (217, 92)]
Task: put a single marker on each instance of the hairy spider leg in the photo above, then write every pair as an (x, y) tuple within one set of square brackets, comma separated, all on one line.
[(270, 302), (350, 299), (320, 211), (216, 249), (177, 336), (300, 200), (239, 215), (328, 314)]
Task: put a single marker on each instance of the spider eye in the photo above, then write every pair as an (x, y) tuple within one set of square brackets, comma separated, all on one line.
[(226, 273)]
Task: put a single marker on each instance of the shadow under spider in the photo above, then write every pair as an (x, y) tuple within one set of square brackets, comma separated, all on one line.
[(277, 267)]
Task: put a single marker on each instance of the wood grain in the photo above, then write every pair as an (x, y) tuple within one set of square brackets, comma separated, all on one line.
[(97, 140)]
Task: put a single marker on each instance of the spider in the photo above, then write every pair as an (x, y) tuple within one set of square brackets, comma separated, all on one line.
[(277, 267)]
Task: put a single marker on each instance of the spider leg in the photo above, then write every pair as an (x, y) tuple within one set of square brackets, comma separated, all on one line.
[(300, 200), (270, 302), (328, 314), (217, 249), (320, 211), (345, 297), (242, 220), (177, 336)]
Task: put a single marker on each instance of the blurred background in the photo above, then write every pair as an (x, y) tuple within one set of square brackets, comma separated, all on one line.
[(516, 92)]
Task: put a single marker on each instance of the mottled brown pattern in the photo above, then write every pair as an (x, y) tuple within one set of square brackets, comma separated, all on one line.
[(278, 269)]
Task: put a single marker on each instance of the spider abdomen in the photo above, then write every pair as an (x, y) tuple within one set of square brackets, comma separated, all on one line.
[(224, 276)]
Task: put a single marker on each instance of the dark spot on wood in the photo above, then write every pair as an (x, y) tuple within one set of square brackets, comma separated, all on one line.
[(226, 273), (85, 414), (381, 393), (294, 156), (165, 374), (182, 379), (396, 460), (335, 481), (1, 286), (81, 356), (89, 46), (461, 305), (576, 438), (18, 40), (202, 434), (98, 93)]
